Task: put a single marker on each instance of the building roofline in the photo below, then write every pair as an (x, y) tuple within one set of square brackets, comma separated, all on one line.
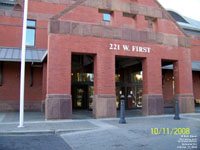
[(171, 18)]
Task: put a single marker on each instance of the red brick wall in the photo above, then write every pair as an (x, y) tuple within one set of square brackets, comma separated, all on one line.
[(196, 84), (195, 48), (60, 47), (168, 87), (11, 82), (12, 22), (195, 56), (11, 35)]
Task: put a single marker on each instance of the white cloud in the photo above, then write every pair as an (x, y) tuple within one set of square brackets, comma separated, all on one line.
[(188, 8)]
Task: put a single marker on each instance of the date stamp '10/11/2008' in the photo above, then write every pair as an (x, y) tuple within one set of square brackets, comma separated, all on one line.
[(168, 131)]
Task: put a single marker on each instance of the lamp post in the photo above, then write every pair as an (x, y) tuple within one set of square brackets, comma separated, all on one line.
[(22, 76)]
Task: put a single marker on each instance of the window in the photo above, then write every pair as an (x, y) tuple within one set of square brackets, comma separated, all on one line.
[(106, 17), (7, 4), (106, 14), (83, 77), (30, 33)]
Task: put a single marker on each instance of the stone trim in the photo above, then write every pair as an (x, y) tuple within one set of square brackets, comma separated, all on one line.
[(118, 5), (58, 96), (186, 103), (105, 96), (13, 105), (65, 2), (152, 104), (103, 31), (19, 25), (104, 106), (19, 14), (58, 106), (113, 5)]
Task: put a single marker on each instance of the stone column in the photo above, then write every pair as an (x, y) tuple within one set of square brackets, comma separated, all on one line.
[(104, 105), (58, 98), (152, 99), (183, 85)]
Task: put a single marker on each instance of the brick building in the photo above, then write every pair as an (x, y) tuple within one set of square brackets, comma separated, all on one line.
[(97, 48)]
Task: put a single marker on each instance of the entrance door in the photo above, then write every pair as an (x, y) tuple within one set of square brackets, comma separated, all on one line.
[(80, 97), (133, 96)]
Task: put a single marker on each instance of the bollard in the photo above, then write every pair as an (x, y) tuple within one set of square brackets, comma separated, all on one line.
[(176, 117), (122, 110)]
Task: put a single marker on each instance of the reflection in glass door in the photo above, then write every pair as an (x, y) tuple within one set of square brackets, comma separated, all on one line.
[(133, 96), (80, 98)]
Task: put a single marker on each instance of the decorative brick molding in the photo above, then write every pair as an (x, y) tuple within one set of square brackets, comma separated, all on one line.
[(13, 105), (186, 103), (66, 2), (118, 5), (152, 105), (58, 106), (19, 14), (114, 5), (104, 106), (103, 31)]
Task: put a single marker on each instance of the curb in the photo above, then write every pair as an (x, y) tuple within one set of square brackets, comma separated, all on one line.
[(42, 132)]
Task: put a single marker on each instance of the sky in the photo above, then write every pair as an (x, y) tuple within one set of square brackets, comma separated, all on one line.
[(188, 8)]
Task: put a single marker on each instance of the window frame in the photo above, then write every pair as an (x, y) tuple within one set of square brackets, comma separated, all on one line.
[(106, 12), (105, 17), (33, 28)]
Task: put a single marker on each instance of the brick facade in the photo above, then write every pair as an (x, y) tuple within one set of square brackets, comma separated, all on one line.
[(76, 27)]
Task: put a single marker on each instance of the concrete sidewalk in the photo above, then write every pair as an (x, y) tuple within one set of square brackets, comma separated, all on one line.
[(66, 126), (137, 134), (6, 117), (46, 127)]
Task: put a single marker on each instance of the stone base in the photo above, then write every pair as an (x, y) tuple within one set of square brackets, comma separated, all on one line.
[(169, 102), (13, 105), (152, 105), (186, 103), (104, 106), (43, 106), (58, 106)]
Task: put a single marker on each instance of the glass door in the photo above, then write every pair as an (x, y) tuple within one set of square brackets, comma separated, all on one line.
[(133, 96), (80, 97)]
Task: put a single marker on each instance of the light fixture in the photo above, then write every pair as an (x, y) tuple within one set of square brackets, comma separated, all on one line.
[(139, 77)]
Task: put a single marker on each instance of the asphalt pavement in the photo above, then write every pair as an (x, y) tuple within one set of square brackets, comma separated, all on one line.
[(48, 142)]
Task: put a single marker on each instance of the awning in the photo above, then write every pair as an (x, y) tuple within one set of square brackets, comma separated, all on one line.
[(14, 54), (195, 66)]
